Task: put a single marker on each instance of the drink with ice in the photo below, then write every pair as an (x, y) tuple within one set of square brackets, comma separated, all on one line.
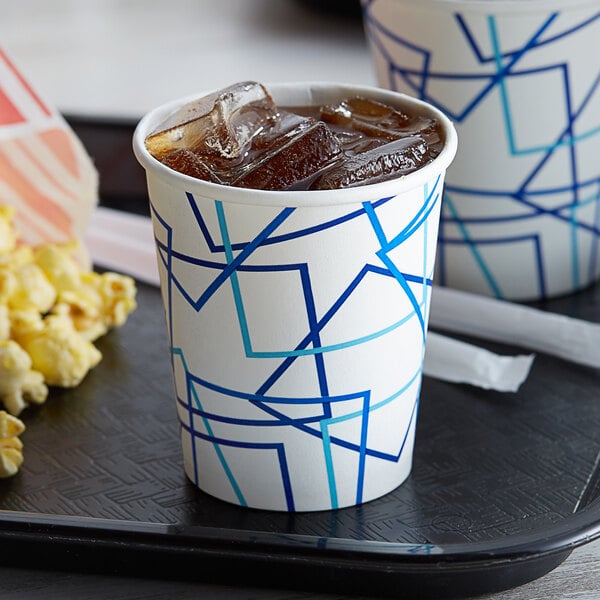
[(240, 137)]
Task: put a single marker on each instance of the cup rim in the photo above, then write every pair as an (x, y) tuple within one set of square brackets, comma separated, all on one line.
[(495, 6), (307, 92)]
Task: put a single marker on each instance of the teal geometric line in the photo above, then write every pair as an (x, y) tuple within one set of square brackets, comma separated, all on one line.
[(247, 251), (595, 246), (570, 140), (325, 424), (385, 259), (399, 392), (192, 390), (551, 148), (334, 347), (243, 322), (362, 456), (425, 259), (472, 247), (376, 224), (574, 247), (326, 439), (220, 455), (386, 247), (233, 277), (502, 85), (431, 199), (592, 199)]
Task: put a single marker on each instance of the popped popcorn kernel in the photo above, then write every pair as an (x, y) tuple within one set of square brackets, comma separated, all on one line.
[(24, 321), (8, 285), (60, 353), (20, 384), (118, 297), (17, 258), (4, 322), (11, 447), (59, 266), (8, 235), (33, 289), (84, 312)]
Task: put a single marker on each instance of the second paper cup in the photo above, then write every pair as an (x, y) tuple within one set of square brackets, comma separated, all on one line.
[(297, 323), (521, 81)]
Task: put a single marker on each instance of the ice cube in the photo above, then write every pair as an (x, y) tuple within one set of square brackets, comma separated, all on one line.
[(222, 123), (276, 134), (396, 158), (288, 165), (190, 163), (376, 120), (239, 137)]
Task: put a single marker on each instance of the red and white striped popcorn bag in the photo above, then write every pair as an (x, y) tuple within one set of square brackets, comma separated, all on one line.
[(45, 172)]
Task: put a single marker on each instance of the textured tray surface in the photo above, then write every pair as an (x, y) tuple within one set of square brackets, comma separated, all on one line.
[(492, 472), (486, 465)]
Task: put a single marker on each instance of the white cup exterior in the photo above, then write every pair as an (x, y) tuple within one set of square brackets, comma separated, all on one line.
[(521, 81), (296, 324)]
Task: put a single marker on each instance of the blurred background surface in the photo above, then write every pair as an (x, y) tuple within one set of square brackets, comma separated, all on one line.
[(123, 57)]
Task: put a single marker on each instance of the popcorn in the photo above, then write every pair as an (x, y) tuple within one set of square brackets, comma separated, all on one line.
[(118, 297), (57, 264), (59, 353), (8, 236), (100, 302), (4, 323), (24, 321), (32, 289), (8, 285), (19, 257), (83, 307), (51, 310), (11, 447), (19, 383)]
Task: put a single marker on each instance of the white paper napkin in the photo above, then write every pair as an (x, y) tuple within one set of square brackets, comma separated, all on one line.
[(571, 339), (124, 242), (456, 361)]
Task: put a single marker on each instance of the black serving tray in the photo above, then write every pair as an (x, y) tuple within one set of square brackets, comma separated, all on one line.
[(503, 486)]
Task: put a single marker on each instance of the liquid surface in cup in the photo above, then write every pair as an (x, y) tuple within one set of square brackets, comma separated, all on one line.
[(239, 137)]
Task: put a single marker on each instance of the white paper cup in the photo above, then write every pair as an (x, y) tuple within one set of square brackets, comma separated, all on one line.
[(297, 322), (520, 79)]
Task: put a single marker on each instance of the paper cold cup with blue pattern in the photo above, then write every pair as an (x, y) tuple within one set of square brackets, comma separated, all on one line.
[(521, 81), (296, 323)]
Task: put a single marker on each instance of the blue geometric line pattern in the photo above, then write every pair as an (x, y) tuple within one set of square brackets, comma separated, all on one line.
[(534, 75), (196, 401), (297, 334)]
